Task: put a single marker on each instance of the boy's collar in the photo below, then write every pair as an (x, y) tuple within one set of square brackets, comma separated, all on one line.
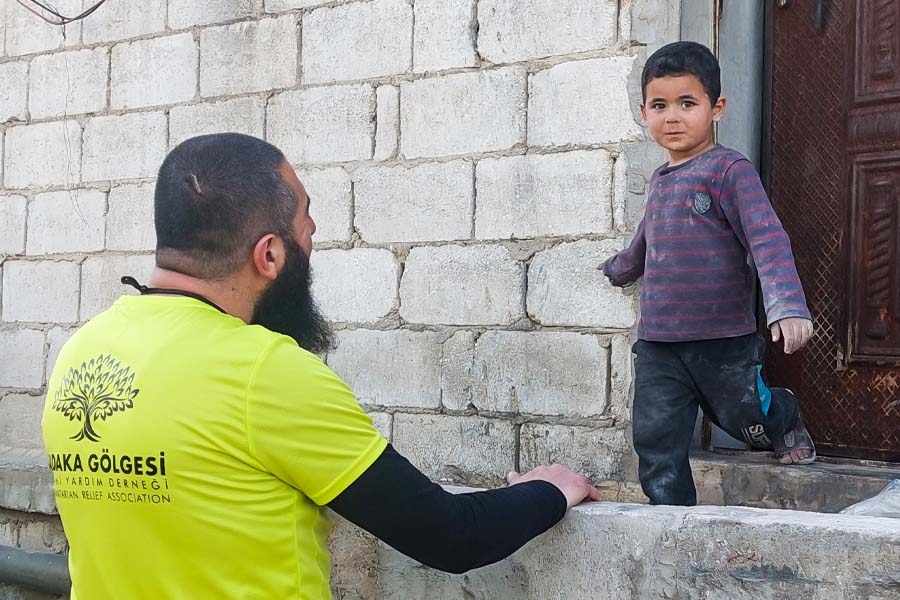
[(666, 168)]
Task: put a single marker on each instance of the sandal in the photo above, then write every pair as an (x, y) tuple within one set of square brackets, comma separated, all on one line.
[(795, 440)]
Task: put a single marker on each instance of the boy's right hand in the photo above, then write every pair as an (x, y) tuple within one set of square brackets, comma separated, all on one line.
[(625, 285)]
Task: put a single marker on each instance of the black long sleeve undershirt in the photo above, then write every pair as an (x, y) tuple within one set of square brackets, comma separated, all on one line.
[(396, 503)]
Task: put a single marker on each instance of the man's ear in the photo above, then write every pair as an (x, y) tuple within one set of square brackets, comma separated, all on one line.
[(644, 113), (718, 109), (268, 256)]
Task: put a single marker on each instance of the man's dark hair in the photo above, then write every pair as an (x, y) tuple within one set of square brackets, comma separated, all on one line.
[(684, 58), (216, 195)]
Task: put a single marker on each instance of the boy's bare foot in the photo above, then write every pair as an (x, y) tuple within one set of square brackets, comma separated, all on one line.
[(796, 447)]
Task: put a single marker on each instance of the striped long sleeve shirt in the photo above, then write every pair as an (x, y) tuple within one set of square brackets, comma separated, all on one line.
[(702, 219)]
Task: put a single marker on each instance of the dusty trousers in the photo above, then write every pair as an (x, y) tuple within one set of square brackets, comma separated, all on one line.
[(673, 380)]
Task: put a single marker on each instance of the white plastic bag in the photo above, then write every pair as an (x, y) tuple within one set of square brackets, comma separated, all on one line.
[(885, 504)]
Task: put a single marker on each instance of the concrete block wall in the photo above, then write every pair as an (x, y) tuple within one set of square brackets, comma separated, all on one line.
[(470, 163)]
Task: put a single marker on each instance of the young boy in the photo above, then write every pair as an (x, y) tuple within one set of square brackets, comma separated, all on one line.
[(706, 211)]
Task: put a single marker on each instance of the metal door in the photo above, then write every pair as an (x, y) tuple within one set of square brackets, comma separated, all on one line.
[(833, 173)]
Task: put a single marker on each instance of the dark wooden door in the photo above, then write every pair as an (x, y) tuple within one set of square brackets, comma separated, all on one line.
[(833, 173)]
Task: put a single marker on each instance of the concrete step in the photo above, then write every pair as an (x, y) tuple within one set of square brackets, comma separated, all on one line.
[(756, 479)]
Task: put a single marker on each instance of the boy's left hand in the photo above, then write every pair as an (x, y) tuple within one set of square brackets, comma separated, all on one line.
[(796, 332)]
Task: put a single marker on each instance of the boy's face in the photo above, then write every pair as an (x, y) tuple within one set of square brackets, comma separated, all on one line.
[(680, 116)]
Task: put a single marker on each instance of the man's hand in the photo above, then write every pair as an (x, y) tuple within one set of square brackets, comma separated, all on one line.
[(573, 486), (796, 333)]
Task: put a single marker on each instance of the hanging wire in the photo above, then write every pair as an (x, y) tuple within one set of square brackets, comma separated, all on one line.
[(60, 19)]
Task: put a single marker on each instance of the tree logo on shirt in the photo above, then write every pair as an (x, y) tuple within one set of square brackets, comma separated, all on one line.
[(98, 389), (702, 202)]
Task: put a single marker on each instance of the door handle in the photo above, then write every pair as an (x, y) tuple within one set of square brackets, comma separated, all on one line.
[(821, 13), (820, 16)]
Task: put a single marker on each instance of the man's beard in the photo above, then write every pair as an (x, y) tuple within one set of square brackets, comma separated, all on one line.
[(287, 305)]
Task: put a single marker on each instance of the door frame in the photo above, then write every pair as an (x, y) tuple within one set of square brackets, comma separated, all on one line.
[(735, 31)]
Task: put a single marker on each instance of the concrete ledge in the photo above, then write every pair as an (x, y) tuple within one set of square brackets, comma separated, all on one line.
[(600, 551), (624, 551)]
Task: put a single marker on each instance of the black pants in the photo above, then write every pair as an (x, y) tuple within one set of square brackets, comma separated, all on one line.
[(673, 379)]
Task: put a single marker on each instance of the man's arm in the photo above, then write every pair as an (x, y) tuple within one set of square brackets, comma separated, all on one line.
[(305, 426), (456, 532), (627, 266)]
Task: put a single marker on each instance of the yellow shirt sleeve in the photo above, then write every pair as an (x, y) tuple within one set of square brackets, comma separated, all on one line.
[(305, 425)]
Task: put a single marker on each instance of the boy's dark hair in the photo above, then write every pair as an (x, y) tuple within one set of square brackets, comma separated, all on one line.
[(216, 195), (684, 58)]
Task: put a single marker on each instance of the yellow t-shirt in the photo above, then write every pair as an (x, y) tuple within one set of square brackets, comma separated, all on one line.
[(192, 454)]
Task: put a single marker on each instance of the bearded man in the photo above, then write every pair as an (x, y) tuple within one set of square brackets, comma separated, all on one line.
[(196, 437)]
